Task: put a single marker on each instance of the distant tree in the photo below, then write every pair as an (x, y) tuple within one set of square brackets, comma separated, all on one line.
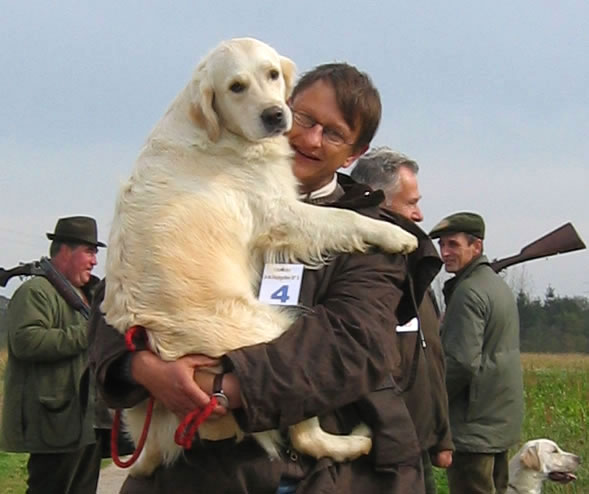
[(555, 325)]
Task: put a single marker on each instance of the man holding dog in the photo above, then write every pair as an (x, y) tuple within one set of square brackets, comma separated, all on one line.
[(331, 363), (48, 401), (421, 375), (480, 336)]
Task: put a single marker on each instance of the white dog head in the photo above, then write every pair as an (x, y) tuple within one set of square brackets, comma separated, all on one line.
[(242, 86), (546, 459)]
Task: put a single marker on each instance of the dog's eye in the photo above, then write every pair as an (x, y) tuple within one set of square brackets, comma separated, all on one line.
[(274, 74), (237, 87)]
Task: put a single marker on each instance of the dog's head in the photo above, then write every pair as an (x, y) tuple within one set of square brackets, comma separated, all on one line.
[(546, 457), (242, 86)]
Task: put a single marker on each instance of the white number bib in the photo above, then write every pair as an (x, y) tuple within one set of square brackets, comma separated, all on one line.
[(281, 284)]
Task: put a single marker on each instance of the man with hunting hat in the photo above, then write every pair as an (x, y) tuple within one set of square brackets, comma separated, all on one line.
[(48, 408), (480, 336)]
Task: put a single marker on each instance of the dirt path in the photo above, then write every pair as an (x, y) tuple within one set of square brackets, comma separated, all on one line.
[(110, 480)]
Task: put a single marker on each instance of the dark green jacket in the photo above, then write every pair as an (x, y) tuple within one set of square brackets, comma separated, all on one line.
[(480, 336), (47, 407)]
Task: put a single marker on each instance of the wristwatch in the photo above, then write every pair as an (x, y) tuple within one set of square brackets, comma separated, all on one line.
[(218, 392)]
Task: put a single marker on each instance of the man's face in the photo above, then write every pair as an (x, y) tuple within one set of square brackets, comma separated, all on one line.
[(405, 201), (78, 263), (316, 159), (456, 252)]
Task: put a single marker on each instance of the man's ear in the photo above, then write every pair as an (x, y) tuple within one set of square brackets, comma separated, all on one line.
[(530, 459), (289, 71), (353, 157), (202, 99)]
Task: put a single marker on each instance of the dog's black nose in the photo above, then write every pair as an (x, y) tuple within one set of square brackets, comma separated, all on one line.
[(273, 119)]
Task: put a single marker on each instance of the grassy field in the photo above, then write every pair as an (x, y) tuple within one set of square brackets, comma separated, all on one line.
[(557, 407)]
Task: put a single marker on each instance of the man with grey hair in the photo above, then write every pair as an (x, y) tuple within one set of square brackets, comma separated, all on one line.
[(396, 175), (425, 394)]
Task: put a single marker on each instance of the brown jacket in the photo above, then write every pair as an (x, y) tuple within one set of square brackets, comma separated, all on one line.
[(427, 399), (334, 362), (424, 386)]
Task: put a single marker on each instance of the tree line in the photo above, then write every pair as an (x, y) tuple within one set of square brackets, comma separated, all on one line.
[(555, 324)]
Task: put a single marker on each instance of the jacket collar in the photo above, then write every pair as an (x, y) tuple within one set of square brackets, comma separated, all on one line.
[(424, 264), (463, 274)]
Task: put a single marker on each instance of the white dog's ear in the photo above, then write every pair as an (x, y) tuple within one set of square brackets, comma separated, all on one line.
[(289, 71), (203, 111), (530, 459)]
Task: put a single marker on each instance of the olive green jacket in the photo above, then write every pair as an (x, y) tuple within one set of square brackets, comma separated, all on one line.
[(47, 406), (480, 336)]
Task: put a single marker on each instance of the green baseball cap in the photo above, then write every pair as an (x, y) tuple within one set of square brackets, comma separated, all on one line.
[(464, 222)]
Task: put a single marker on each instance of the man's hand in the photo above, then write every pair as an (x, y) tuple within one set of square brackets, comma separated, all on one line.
[(172, 383), (442, 459)]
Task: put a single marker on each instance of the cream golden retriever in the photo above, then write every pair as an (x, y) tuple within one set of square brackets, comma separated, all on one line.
[(539, 460), (212, 198)]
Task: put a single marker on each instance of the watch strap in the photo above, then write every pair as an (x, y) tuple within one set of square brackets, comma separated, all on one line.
[(218, 392)]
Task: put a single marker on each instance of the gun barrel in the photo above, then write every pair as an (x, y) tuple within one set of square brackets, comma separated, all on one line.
[(564, 239), (27, 269)]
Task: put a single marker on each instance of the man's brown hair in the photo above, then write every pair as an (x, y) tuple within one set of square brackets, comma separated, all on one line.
[(356, 97)]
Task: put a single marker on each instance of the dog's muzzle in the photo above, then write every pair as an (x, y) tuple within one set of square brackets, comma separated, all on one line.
[(274, 119)]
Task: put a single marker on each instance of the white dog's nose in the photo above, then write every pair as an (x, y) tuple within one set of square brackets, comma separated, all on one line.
[(274, 119)]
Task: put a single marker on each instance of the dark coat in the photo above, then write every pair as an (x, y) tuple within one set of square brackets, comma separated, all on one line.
[(424, 386), (427, 399), (334, 362)]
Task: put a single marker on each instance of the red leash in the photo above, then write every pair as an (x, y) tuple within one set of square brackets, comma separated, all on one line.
[(114, 445), (185, 432), (187, 429)]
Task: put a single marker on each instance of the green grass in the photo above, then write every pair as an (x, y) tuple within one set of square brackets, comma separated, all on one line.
[(13, 472), (556, 391), (557, 407)]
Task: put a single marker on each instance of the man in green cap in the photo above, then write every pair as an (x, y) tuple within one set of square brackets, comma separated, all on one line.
[(48, 407), (480, 336)]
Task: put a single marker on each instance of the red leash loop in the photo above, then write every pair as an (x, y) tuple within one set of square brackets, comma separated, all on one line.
[(130, 334), (185, 432), (114, 445)]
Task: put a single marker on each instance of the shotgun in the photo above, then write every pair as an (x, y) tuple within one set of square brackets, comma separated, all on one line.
[(564, 239), (43, 267)]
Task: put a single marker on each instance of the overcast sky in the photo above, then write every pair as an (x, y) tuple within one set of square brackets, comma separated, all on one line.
[(492, 100)]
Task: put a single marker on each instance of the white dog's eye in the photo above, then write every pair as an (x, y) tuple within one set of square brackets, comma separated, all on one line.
[(274, 74), (237, 87)]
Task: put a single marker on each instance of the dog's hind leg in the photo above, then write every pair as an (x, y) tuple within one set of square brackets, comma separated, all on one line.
[(308, 437)]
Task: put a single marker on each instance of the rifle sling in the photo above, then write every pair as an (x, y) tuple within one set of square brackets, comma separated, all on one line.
[(65, 288)]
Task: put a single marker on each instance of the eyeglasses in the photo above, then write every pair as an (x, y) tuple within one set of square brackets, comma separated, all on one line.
[(329, 135)]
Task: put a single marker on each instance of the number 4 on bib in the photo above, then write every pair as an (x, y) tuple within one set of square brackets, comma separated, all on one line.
[(281, 294), (281, 284)]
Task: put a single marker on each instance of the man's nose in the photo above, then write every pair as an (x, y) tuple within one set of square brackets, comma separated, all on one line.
[(416, 215), (314, 135)]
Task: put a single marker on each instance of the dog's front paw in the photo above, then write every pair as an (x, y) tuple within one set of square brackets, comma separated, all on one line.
[(396, 240)]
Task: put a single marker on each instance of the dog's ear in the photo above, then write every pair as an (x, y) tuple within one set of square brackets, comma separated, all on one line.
[(530, 459), (289, 71), (203, 99)]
